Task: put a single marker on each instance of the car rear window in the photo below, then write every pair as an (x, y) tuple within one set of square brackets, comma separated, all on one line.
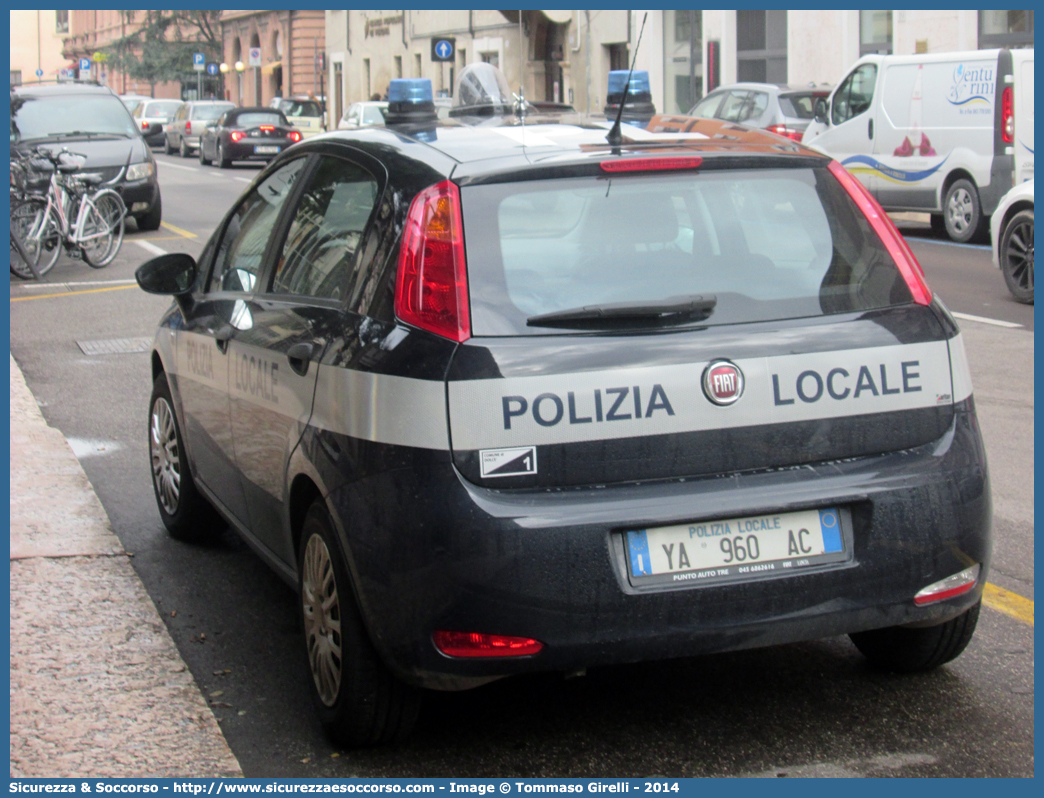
[(799, 106), (294, 108), (208, 112), (373, 115), (258, 118), (161, 109), (767, 244)]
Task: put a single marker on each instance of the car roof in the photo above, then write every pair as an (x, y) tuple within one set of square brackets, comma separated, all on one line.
[(60, 89), (500, 143)]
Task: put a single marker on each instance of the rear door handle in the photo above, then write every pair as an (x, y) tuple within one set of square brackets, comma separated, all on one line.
[(299, 356)]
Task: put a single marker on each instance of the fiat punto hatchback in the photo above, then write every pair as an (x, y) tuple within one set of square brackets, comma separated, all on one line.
[(496, 396)]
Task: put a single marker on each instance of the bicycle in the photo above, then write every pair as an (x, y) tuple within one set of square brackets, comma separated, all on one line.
[(87, 225), (26, 209)]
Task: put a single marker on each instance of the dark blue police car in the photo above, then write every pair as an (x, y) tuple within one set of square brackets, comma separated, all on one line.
[(497, 396)]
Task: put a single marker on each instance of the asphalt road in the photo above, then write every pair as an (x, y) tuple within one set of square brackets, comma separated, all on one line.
[(808, 709)]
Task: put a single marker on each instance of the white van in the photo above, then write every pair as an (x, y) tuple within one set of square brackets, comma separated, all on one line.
[(948, 133)]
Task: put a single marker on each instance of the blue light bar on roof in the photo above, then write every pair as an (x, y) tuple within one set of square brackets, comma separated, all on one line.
[(410, 91)]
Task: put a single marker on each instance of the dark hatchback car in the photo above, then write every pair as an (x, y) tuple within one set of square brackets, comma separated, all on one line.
[(247, 134), (778, 108), (91, 120), (499, 400)]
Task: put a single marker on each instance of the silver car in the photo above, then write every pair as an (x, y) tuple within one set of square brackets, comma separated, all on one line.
[(364, 114), (153, 116), (778, 108), (190, 122)]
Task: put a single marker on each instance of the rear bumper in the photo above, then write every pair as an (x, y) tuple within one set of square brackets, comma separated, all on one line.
[(244, 150), (430, 551)]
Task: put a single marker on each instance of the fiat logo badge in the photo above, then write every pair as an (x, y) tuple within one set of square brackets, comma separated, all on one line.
[(722, 382)]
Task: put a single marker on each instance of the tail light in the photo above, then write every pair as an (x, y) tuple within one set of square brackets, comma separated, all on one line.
[(786, 132), (950, 587), (237, 135), (893, 240), (475, 644), (144, 125), (188, 126), (431, 288), (294, 136), (1007, 115)]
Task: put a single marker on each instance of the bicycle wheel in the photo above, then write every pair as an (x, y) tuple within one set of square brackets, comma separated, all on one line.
[(101, 235), (38, 233)]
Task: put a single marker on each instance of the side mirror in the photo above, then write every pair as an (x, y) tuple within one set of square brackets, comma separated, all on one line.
[(822, 112), (174, 273)]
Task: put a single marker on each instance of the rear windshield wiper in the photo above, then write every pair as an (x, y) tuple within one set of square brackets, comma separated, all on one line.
[(674, 309)]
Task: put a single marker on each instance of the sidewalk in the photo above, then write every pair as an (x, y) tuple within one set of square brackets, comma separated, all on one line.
[(97, 685)]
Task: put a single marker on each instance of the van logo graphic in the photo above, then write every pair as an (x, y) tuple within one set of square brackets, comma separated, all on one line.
[(722, 382), (972, 85)]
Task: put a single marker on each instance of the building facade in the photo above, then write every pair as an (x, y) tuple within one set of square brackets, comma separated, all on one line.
[(565, 56), (36, 45), (281, 54)]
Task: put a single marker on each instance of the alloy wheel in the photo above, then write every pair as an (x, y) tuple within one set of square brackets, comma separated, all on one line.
[(1019, 255), (322, 619), (166, 457)]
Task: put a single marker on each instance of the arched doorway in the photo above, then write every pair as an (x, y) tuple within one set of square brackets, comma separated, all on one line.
[(255, 41), (275, 80)]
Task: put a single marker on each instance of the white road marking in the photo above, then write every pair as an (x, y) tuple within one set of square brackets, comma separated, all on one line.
[(179, 166), (243, 179), (145, 245), (74, 286), (984, 320)]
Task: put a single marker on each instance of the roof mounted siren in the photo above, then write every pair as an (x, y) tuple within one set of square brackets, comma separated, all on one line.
[(482, 90), (638, 107), (410, 100)]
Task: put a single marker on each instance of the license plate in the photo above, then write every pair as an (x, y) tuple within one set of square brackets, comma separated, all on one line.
[(736, 549), (260, 150)]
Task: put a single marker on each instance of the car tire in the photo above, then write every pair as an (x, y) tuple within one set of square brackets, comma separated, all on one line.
[(1016, 256), (152, 219), (203, 161), (183, 149), (905, 649), (962, 213), (221, 160), (167, 149), (186, 514), (359, 701)]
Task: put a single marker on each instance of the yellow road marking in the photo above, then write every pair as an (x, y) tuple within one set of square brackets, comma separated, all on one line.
[(72, 293), (178, 230), (1018, 607), (164, 238)]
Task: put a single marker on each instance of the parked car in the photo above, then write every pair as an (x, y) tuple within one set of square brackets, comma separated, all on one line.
[(1011, 229), (247, 134), (132, 101), (363, 114), (189, 123), (776, 107), (303, 113), (714, 407), (943, 133), (90, 119), (153, 116)]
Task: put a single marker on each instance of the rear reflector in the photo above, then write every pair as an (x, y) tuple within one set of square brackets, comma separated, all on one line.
[(650, 164), (948, 588), (1007, 115), (475, 644), (431, 287), (893, 240), (786, 132)]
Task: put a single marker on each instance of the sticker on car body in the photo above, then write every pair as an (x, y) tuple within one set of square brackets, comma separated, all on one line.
[(508, 462)]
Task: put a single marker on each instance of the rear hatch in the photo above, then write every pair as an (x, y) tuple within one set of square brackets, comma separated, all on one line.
[(684, 323)]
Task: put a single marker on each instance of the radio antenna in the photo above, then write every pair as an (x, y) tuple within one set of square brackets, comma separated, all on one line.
[(615, 137)]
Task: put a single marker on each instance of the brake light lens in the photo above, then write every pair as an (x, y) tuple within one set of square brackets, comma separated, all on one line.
[(237, 135), (188, 126), (144, 125), (1008, 115), (475, 644), (294, 136), (266, 127), (786, 132), (650, 164), (950, 587), (893, 240), (431, 288)]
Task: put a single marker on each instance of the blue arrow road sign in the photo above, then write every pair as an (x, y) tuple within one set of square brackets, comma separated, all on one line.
[(212, 69), (39, 73), (85, 65), (444, 49)]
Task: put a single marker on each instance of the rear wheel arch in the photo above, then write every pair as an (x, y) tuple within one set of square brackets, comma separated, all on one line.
[(157, 365), (951, 178), (303, 492)]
